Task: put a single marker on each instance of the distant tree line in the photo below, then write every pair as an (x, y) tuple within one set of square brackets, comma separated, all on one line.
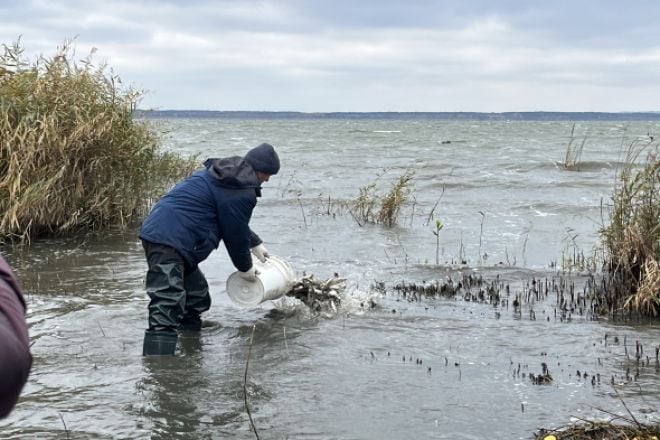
[(467, 116)]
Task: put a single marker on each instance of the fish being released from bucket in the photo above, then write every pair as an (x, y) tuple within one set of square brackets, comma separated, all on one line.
[(319, 295), (276, 279), (275, 276)]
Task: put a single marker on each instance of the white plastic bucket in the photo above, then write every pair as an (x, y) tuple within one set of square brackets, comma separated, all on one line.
[(275, 278)]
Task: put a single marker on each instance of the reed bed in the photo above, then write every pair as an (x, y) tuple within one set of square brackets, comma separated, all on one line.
[(632, 239), (72, 155)]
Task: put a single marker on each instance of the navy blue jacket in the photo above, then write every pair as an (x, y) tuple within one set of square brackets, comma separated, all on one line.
[(214, 204)]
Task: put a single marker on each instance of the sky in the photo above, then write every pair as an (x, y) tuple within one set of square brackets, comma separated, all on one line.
[(360, 55)]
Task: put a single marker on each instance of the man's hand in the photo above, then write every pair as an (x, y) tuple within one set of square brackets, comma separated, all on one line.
[(250, 275), (260, 252)]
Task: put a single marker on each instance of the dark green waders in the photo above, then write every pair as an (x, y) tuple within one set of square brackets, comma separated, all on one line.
[(178, 294)]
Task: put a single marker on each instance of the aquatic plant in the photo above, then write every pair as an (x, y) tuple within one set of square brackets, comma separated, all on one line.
[(72, 155), (245, 391), (436, 232), (372, 207), (574, 259), (363, 207), (390, 205), (632, 238), (573, 151)]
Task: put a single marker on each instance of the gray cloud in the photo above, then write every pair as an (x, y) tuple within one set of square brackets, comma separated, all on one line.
[(312, 55)]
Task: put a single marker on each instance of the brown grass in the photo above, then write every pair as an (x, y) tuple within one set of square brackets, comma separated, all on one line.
[(372, 207), (72, 157), (632, 239)]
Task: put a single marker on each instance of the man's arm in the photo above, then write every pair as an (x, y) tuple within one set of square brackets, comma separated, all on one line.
[(255, 240), (235, 218)]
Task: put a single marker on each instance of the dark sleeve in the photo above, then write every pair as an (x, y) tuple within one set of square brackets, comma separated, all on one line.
[(235, 218), (15, 358), (255, 240)]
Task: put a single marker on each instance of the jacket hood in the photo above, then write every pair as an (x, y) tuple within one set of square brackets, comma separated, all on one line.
[(233, 173)]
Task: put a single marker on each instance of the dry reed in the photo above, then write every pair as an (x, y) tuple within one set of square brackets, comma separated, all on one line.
[(573, 151), (72, 156), (372, 207), (632, 239)]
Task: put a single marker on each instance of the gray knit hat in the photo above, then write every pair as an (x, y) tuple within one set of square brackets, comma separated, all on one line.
[(264, 159)]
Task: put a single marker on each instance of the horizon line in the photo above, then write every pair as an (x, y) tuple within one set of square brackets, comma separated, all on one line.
[(402, 111), (539, 116)]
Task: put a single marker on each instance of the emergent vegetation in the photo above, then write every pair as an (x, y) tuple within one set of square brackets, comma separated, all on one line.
[(574, 151), (372, 207), (632, 239), (72, 156)]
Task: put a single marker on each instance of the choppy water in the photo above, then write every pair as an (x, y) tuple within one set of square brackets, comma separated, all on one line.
[(499, 193)]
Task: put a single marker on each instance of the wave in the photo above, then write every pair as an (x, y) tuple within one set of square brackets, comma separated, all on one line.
[(593, 165), (542, 209)]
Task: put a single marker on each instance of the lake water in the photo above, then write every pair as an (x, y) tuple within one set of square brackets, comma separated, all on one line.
[(434, 368)]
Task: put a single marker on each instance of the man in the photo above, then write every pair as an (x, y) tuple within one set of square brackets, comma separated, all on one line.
[(214, 204), (15, 358)]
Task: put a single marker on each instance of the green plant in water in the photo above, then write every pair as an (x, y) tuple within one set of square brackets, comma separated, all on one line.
[(436, 232), (632, 239), (72, 155)]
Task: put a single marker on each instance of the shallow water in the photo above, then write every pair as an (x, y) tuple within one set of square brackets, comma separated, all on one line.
[(355, 375)]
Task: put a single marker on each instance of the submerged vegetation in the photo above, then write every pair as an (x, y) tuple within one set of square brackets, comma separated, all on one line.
[(72, 156), (632, 238)]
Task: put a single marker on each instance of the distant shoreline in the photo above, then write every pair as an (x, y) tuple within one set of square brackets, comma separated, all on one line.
[(459, 116)]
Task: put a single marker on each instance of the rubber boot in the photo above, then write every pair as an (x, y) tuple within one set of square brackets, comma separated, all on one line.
[(159, 343), (190, 324)]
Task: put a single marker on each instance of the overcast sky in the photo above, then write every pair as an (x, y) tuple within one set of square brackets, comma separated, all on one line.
[(361, 55)]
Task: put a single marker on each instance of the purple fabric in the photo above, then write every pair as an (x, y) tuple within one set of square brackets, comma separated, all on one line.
[(15, 358)]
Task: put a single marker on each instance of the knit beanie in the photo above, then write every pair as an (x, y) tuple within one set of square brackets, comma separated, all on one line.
[(263, 158)]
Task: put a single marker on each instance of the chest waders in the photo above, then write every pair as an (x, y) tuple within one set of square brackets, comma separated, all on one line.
[(178, 295)]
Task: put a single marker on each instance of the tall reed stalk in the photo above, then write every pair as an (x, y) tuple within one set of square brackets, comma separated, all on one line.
[(391, 203), (72, 156), (573, 151)]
